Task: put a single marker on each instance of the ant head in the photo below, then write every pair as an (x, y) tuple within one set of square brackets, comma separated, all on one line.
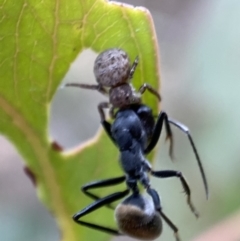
[(124, 95), (137, 217), (112, 67)]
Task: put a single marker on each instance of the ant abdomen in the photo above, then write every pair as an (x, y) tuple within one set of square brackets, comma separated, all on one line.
[(112, 67), (137, 217)]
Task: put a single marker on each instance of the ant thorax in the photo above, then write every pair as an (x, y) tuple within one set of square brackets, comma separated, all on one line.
[(124, 95)]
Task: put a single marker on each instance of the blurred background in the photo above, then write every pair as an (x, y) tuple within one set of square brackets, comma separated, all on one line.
[(200, 85)]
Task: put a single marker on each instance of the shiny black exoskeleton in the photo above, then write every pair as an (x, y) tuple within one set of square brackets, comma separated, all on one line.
[(135, 133)]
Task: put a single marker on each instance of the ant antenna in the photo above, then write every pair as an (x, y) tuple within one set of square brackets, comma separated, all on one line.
[(200, 166)]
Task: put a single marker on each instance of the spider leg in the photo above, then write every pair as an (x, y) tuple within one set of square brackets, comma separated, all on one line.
[(89, 87), (148, 87), (107, 127)]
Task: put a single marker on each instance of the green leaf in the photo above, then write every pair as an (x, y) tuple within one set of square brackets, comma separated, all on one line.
[(39, 40)]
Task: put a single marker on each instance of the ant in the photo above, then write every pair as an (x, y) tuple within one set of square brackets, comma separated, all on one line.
[(136, 216), (135, 133), (114, 71)]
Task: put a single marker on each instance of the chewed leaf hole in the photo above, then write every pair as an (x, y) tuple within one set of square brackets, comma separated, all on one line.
[(74, 117)]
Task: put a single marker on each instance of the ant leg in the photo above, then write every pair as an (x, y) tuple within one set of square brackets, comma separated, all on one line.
[(155, 197), (171, 225), (100, 184), (87, 86), (96, 205), (162, 117), (107, 127), (148, 87), (133, 68), (200, 166), (170, 173), (101, 106), (157, 204)]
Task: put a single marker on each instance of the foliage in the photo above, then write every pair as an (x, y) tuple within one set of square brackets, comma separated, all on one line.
[(39, 40)]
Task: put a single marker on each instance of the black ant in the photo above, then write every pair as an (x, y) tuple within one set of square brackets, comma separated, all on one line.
[(136, 216)]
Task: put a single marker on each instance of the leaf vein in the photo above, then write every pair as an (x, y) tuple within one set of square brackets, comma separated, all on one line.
[(43, 158)]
